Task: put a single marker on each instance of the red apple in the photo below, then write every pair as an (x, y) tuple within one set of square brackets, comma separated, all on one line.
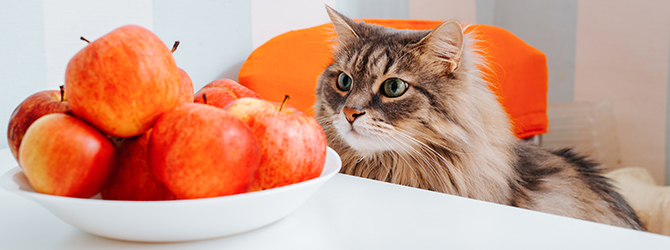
[(122, 81), (133, 179), (185, 87), (200, 151), (221, 92), (293, 145), (62, 155), (29, 110), (185, 83)]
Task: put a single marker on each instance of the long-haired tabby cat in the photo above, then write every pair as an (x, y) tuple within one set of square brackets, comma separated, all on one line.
[(410, 107)]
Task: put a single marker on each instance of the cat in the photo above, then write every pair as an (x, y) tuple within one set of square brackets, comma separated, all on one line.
[(411, 107)]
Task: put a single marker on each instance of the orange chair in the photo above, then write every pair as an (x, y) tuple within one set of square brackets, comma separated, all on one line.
[(291, 62)]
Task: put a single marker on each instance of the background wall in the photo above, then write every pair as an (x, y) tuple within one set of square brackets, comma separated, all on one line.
[(596, 49)]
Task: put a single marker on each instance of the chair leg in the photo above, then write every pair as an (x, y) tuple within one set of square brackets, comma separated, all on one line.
[(537, 139)]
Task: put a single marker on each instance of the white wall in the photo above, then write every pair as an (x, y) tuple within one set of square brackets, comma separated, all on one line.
[(596, 49)]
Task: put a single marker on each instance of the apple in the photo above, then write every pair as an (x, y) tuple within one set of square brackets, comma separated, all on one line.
[(292, 143), (185, 87), (29, 110), (185, 83), (200, 151), (122, 81), (221, 92), (133, 179), (62, 155)]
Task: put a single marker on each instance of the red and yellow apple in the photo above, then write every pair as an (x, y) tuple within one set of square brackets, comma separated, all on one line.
[(121, 82), (292, 143), (221, 92), (200, 151), (185, 83), (186, 94), (62, 155), (35, 106), (134, 179)]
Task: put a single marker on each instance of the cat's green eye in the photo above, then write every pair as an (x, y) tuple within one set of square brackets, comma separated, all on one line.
[(344, 82), (394, 87)]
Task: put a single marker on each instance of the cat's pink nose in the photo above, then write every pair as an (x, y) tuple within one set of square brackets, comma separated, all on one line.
[(352, 114)]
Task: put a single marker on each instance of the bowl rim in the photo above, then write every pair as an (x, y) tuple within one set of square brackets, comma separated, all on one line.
[(7, 181)]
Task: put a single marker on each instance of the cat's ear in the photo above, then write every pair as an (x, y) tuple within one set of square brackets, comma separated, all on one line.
[(342, 26), (446, 43)]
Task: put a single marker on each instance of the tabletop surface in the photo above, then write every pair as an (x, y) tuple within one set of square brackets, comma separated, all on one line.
[(350, 213)]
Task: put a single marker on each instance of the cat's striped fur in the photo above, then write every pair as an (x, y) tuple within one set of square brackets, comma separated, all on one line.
[(446, 132)]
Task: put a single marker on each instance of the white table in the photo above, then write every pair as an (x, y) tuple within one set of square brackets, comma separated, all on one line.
[(351, 213)]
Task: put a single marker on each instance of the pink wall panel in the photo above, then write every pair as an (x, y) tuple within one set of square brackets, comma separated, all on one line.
[(622, 55)]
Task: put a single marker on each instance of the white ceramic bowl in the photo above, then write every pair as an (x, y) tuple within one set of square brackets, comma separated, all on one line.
[(179, 220)]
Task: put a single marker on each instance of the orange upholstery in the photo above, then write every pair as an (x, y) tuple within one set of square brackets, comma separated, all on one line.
[(291, 62)]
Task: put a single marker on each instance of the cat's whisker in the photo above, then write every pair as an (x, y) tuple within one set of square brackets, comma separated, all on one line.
[(389, 149), (429, 151), (412, 170), (441, 144), (427, 163), (380, 137), (329, 129), (424, 145)]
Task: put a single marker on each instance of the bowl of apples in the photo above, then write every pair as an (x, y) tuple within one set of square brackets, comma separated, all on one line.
[(175, 220), (126, 150)]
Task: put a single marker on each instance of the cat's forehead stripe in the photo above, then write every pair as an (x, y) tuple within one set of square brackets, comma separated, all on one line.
[(362, 60), (389, 61), (352, 61), (371, 59), (379, 58)]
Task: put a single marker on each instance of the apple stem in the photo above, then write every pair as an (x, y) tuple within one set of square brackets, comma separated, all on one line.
[(286, 97), (174, 47), (82, 38), (204, 98), (62, 93)]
